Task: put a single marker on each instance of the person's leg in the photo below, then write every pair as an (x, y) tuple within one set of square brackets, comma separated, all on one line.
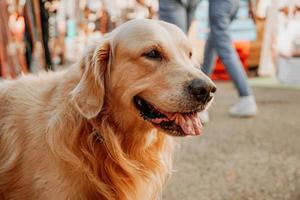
[(191, 9), (174, 12), (220, 13), (209, 56)]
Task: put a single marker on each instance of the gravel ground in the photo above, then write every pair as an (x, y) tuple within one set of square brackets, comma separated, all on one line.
[(242, 159)]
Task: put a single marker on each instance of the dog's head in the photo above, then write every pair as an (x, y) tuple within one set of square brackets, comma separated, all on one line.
[(145, 73)]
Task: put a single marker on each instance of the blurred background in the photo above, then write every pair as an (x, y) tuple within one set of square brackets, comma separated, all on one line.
[(236, 159)]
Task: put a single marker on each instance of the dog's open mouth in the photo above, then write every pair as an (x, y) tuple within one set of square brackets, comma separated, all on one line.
[(175, 124)]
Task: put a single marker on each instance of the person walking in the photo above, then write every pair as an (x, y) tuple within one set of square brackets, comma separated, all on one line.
[(221, 14)]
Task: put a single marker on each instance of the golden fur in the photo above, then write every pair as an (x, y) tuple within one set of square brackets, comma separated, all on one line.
[(49, 148)]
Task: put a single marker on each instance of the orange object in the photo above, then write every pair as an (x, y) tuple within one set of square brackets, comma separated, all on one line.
[(243, 50)]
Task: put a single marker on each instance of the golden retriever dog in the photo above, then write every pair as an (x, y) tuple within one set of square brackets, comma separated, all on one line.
[(103, 128)]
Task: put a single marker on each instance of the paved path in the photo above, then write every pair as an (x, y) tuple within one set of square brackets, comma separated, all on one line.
[(242, 159)]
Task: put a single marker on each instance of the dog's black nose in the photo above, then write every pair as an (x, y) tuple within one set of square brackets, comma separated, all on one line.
[(201, 90)]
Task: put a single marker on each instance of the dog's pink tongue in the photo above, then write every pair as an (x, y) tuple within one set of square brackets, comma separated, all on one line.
[(190, 124)]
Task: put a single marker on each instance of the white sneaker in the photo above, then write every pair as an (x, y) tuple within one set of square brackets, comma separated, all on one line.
[(204, 117), (246, 107)]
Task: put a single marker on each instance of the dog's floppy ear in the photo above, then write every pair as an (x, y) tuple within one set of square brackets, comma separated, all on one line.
[(88, 95)]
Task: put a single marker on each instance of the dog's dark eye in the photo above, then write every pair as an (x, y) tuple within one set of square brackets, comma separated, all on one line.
[(190, 54), (153, 54)]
